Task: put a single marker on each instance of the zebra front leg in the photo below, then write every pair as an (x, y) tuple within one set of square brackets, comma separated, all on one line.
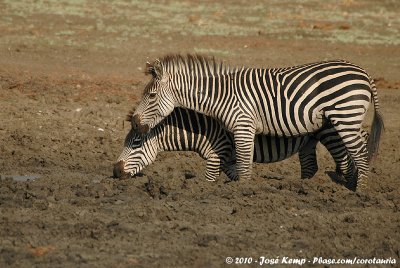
[(244, 146), (230, 172), (228, 163), (213, 167), (308, 159)]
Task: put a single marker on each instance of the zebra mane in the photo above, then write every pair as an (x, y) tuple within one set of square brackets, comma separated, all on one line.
[(173, 64)]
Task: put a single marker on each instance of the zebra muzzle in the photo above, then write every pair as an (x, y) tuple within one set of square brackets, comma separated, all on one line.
[(138, 127), (118, 171)]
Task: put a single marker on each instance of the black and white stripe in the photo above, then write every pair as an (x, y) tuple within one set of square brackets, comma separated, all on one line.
[(186, 130), (285, 102)]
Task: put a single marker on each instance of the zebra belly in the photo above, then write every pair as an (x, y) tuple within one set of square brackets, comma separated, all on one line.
[(268, 149), (290, 122)]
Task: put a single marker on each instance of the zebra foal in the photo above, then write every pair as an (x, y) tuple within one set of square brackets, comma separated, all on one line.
[(186, 130), (284, 102)]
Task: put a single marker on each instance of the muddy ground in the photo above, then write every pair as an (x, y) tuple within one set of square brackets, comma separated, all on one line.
[(69, 73)]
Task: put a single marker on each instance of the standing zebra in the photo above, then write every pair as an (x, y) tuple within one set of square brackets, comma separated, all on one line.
[(186, 130), (285, 102)]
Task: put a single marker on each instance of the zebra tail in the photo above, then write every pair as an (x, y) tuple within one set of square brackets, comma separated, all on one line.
[(377, 125)]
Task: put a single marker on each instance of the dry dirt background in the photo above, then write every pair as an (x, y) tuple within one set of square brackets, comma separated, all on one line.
[(71, 70)]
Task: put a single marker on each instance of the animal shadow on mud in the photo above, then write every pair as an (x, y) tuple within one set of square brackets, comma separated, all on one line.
[(332, 175)]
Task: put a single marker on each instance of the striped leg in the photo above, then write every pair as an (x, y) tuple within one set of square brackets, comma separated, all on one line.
[(355, 144), (308, 159), (213, 167), (333, 143), (230, 171), (357, 149), (244, 145), (345, 165)]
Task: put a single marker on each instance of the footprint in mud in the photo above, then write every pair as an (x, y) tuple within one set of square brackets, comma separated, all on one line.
[(154, 189)]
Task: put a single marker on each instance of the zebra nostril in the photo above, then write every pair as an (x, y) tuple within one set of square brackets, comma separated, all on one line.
[(118, 171)]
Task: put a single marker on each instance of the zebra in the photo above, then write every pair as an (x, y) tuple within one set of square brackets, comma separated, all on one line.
[(187, 130), (284, 102)]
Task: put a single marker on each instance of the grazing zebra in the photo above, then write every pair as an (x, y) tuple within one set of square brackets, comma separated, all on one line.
[(186, 130), (285, 102)]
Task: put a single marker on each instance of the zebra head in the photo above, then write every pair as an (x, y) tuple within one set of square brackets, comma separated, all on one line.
[(157, 101), (139, 151)]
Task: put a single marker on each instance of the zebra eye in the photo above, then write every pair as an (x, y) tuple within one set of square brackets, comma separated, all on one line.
[(152, 95)]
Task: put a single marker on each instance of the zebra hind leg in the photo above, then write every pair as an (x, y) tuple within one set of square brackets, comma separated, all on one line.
[(308, 159), (357, 149), (345, 166), (352, 173)]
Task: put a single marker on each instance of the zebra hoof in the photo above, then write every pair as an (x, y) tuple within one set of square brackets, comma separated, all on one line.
[(232, 179), (351, 186), (358, 185), (308, 175), (362, 184), (236, 178)]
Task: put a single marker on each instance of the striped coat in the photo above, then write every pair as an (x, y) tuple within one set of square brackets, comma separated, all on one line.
[(186, 130), (285, 102)]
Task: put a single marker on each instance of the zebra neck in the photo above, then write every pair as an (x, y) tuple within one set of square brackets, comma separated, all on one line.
[(158, 133), (206, 94)]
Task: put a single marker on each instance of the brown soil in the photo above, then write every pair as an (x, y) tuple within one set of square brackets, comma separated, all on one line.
[(63, 101)]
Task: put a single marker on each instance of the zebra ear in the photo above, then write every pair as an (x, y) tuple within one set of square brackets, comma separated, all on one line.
[(158, 68), (154, 69), (150, 70)]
